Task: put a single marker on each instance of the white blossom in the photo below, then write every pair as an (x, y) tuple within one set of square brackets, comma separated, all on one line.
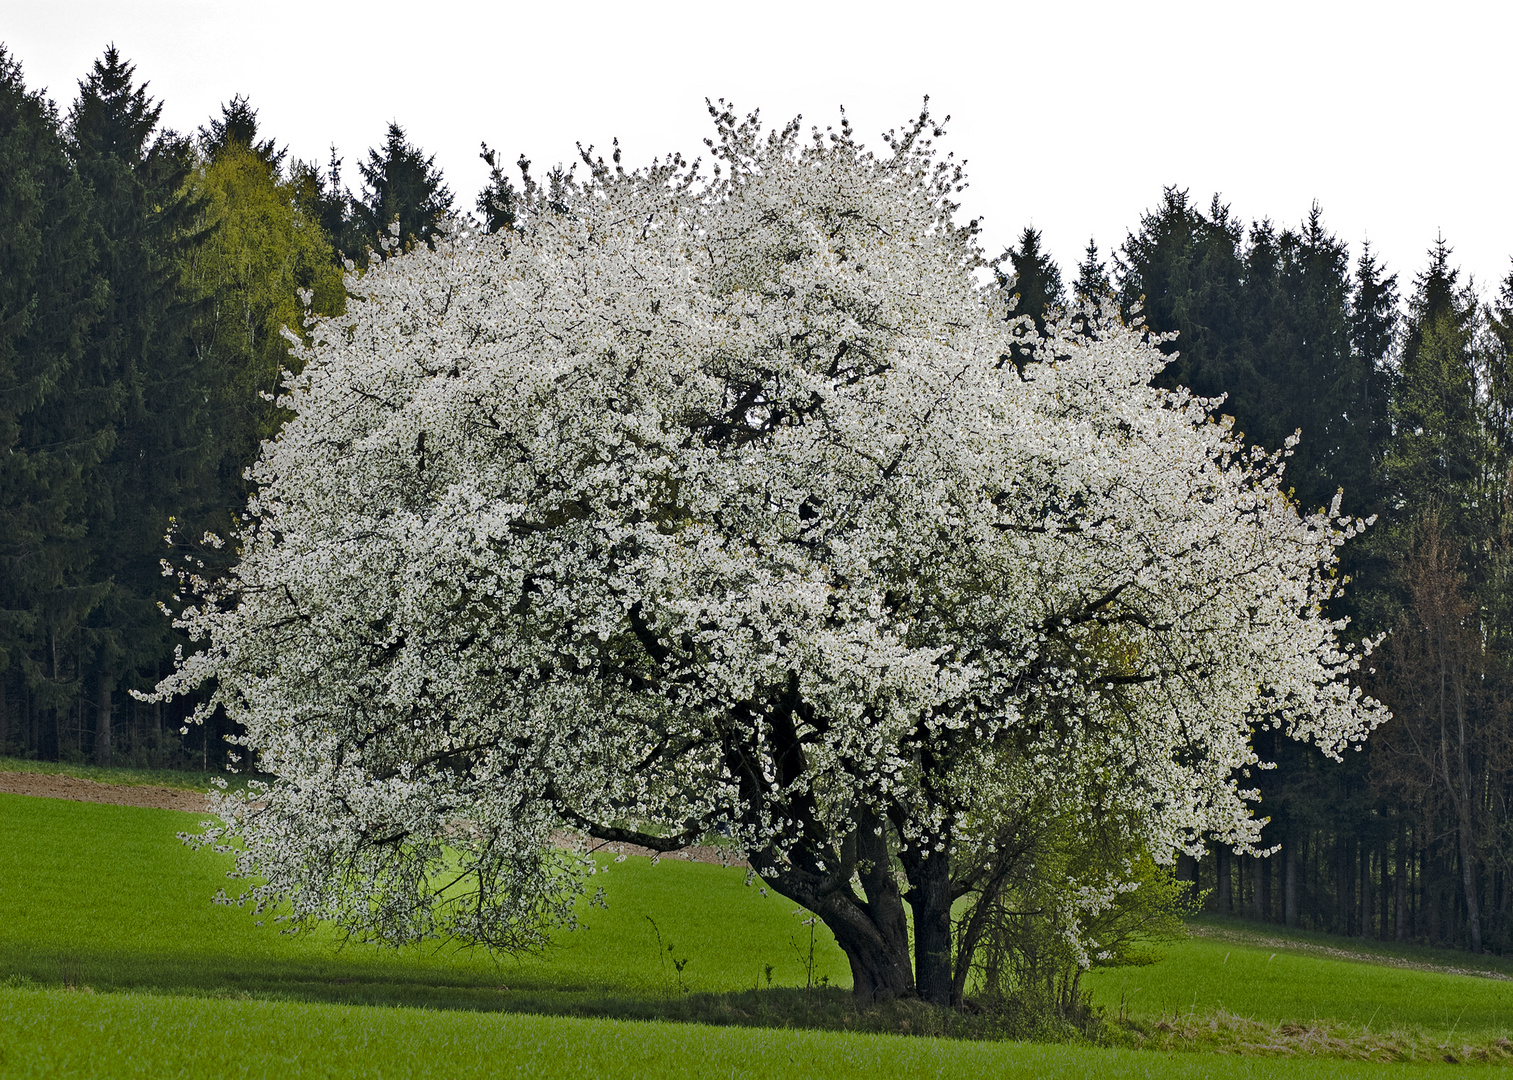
[(713, 502)]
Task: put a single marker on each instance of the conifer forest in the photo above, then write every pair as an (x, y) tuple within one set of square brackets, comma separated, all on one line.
[(151, 282)]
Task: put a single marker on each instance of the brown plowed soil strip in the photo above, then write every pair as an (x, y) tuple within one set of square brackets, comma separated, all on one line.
[(57, 786)]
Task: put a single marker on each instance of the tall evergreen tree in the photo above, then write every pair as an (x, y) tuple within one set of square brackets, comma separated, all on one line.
[(1093, 283), (1437, 446), (50, 437), (237, 126), (1184, 270), (1033, 282), (320, 197), (400, 183), (498, 202), (1373, 336), (1497, 368), (1315, 371), (138, 366)]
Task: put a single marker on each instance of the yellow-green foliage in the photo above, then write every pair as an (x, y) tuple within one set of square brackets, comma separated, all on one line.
[(260, 253)]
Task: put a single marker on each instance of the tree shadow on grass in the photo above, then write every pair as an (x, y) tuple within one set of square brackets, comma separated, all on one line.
[(483, 988)]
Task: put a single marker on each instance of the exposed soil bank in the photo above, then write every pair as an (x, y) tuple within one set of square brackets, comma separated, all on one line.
[(58, 786)]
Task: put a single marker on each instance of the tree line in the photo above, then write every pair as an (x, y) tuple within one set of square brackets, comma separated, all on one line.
[(149, 277), (1405, 409), (146, 280)]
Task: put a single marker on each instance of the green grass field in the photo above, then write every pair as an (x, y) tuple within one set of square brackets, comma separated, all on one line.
[(57, 1034), (1288, 985), (105, 897), (108, 894)]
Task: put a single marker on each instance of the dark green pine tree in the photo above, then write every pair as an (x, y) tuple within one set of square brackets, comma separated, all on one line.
[(138, 366), (400, 184), (1310, 367), (1183, 272), (1436, 458), (1497, 366), (237, 126), (1033, 278), (1093, 283), (50, 437), (321, 198), (1358, 438), (498, 203), (1033, 281), (1373, 336)]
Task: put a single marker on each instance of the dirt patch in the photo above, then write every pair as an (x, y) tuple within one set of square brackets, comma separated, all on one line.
[(59, 786), (703, 853)]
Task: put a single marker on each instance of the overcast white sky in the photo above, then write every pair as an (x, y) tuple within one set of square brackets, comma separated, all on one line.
[(1072, 116)]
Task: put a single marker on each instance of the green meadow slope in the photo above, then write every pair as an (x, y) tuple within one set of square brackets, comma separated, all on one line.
[(106, 898), (57, 1034)]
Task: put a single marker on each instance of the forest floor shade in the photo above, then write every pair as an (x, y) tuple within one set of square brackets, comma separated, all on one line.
[(105, 897)]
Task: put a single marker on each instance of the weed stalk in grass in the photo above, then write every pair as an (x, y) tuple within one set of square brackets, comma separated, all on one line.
[(664, 958)]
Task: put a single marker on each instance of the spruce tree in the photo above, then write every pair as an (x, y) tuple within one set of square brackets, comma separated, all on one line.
[(1034, 284), (1183, 271), (400, 184), (1497, 366), (51, 437), (138, 368), (321, 198), (1093, 283), (237, 126), (497, 203), (1437, 448)]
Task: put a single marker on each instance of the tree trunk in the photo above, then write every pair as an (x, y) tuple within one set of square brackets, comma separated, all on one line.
[(1265, 884), (1461, 796), (929, 874), (1344, 901), (873, 933), (1401, 900), (879, 966), (1290, 882), (1223, 894), (886, 909), (1187, 873), (103, 687), (1364, 929)]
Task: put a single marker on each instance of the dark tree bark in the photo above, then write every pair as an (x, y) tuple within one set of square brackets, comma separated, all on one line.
[(1401, 901), (1290, 882), (929, 874), (1364, 927), (1264, 890), (1460, 794), (104, 686)]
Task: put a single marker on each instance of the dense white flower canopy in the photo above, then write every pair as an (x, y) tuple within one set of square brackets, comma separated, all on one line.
[(715, 502)]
